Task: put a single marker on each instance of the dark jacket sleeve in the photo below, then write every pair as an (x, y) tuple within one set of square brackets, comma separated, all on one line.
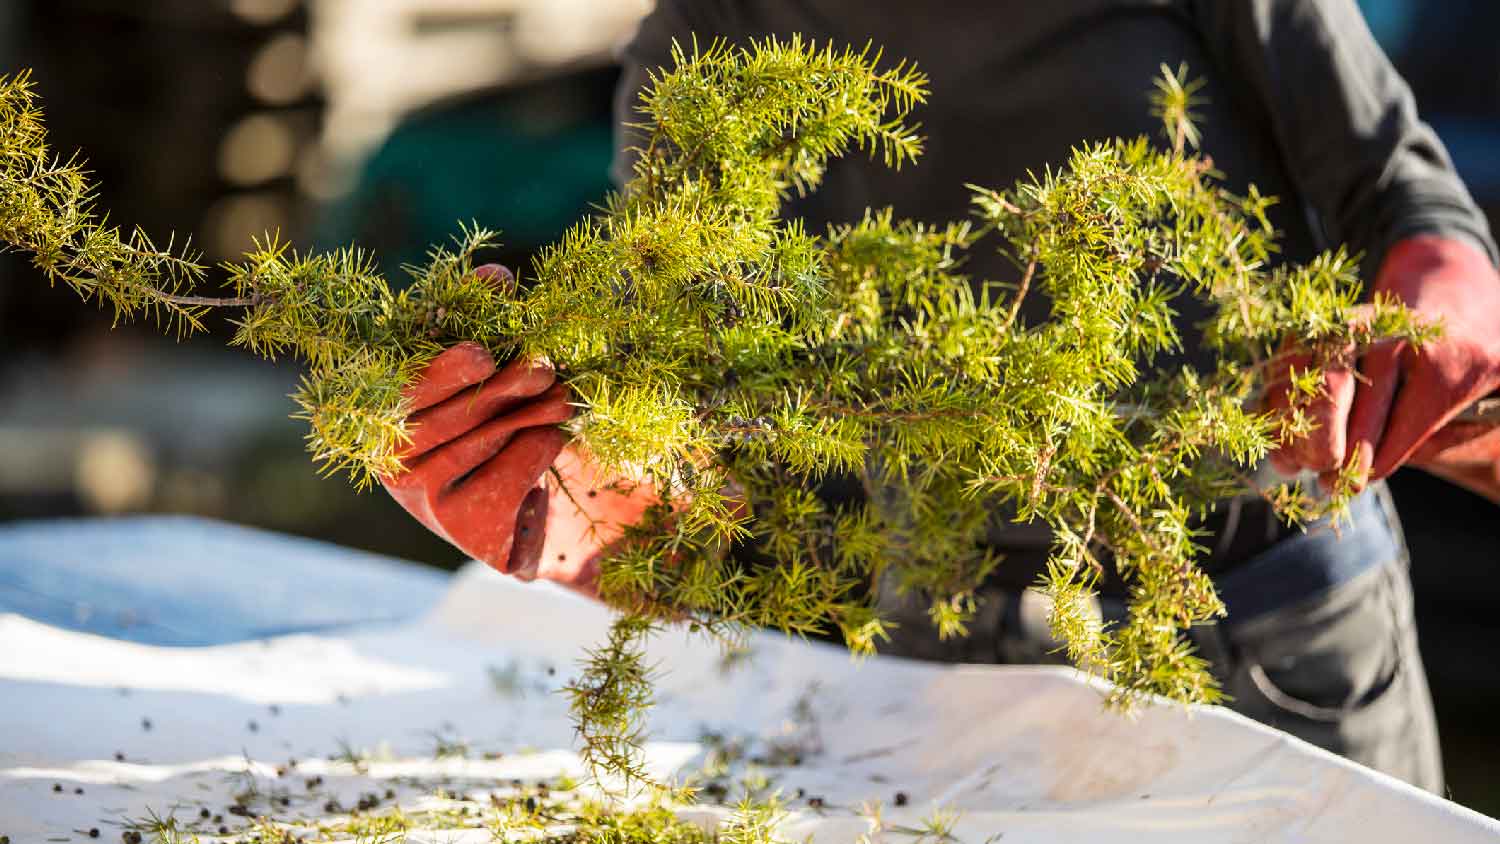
[(1345, 120), (650, 50)]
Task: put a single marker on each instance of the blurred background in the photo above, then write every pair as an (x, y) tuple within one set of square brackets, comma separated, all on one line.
[(387, 121)]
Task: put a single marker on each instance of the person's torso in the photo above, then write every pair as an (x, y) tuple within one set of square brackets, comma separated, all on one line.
[(1015, 86)]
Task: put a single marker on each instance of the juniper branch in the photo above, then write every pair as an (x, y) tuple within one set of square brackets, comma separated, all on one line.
[(710, 343)]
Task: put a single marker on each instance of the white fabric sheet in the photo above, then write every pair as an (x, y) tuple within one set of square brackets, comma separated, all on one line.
[(1029, 753)]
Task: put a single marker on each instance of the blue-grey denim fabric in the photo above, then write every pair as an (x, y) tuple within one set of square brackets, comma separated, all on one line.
[(1320, 641), (1328, 553)]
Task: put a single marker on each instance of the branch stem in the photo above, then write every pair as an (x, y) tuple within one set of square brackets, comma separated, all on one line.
[(207, 301), (1015, 305)]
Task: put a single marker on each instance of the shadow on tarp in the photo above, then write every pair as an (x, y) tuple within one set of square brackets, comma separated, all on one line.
[(187, 581)]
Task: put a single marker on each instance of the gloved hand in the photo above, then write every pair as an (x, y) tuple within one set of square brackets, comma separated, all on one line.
[(1403, 399), (1464, 453), (477, 469), (587, 511), (480, 442)]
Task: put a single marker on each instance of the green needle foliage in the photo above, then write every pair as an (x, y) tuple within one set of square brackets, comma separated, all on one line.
[(730, 358)]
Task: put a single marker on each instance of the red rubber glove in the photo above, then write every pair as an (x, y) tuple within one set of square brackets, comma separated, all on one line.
[(477, 469), (480, 442), (1464, 453), (1401, 405), (587, 511)]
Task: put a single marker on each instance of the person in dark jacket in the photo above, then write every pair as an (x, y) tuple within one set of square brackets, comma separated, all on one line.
[(1320, 639)]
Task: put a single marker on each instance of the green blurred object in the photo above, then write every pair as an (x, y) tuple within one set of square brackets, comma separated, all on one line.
[(527, 161)]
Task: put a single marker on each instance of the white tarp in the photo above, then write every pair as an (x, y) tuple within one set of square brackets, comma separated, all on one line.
[(1028, 754)]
